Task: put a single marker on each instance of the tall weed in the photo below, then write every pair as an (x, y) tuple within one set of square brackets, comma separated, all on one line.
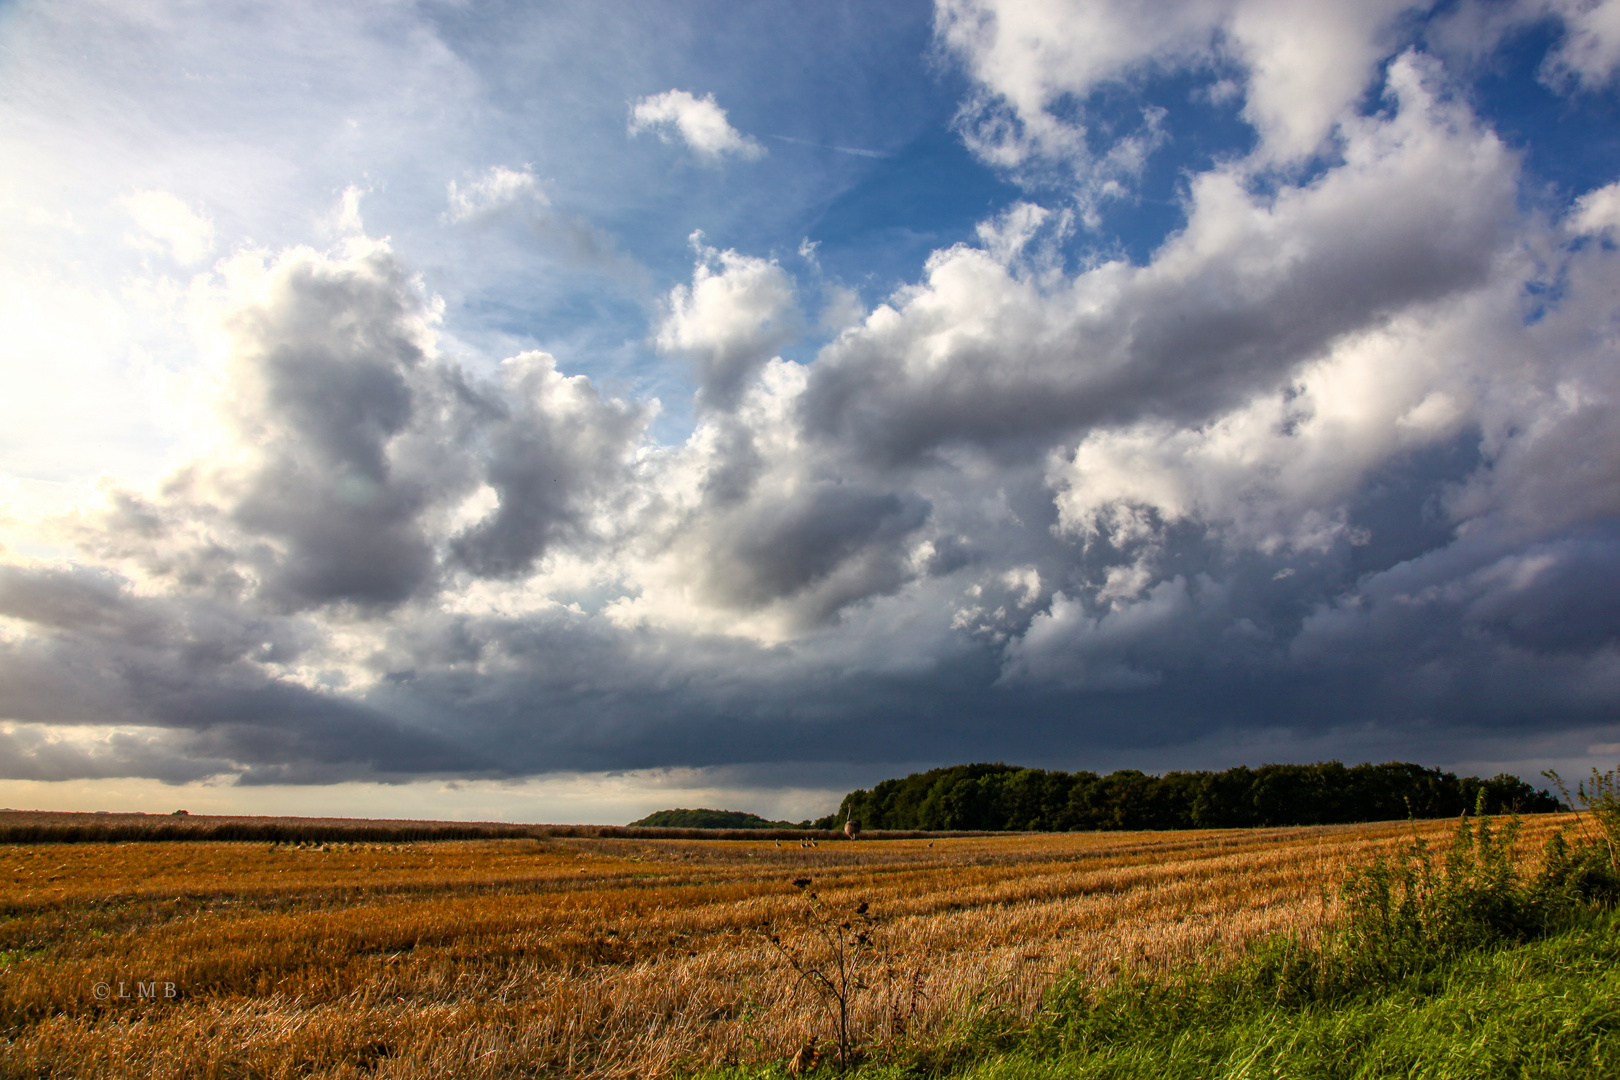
[(1405, 913), (1586, 872)]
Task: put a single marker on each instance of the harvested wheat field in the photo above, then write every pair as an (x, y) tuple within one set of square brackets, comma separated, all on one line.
[(600, 957)]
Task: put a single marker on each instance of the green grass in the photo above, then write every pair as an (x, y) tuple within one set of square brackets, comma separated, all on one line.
[(1549, 1009)]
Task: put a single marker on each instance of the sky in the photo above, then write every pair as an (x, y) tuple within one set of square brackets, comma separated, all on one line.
[(562, 412)]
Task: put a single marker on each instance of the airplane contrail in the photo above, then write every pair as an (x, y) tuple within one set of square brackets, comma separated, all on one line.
[(825, 146)]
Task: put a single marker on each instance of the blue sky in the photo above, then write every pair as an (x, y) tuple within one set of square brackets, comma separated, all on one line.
[(562, 412)]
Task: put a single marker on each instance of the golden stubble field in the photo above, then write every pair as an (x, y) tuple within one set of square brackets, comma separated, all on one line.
[(598, 957)]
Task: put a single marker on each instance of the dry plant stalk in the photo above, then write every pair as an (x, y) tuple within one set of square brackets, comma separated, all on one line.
[(597, 957), (833, 963)]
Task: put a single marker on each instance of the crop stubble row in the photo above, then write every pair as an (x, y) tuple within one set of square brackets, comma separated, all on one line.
[(597, 957)]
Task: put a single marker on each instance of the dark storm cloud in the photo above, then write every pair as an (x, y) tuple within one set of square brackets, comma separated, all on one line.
[(74, 598), (1479, 614), (347, 446), (191, 678), (1554, 597), (272, 735), (39, 753), (350, 432), (562, 694), (551, 449), (777, 549), (480, 696)]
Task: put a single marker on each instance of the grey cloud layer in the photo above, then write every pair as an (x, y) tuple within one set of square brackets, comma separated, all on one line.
[(1320, 469)]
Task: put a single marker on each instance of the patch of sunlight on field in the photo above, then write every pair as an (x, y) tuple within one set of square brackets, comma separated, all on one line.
[(595, 956)]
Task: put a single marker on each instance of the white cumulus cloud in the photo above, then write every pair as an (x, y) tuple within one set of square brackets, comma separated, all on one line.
[(733, 317), (699, 121), (1304, 65), (494, 191)]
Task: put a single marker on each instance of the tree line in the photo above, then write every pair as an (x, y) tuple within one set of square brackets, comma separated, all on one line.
[(712, 819), (1006, 797)]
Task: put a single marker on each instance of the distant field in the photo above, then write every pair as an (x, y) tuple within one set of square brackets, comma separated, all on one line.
[(599, 955), (49, 827)]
